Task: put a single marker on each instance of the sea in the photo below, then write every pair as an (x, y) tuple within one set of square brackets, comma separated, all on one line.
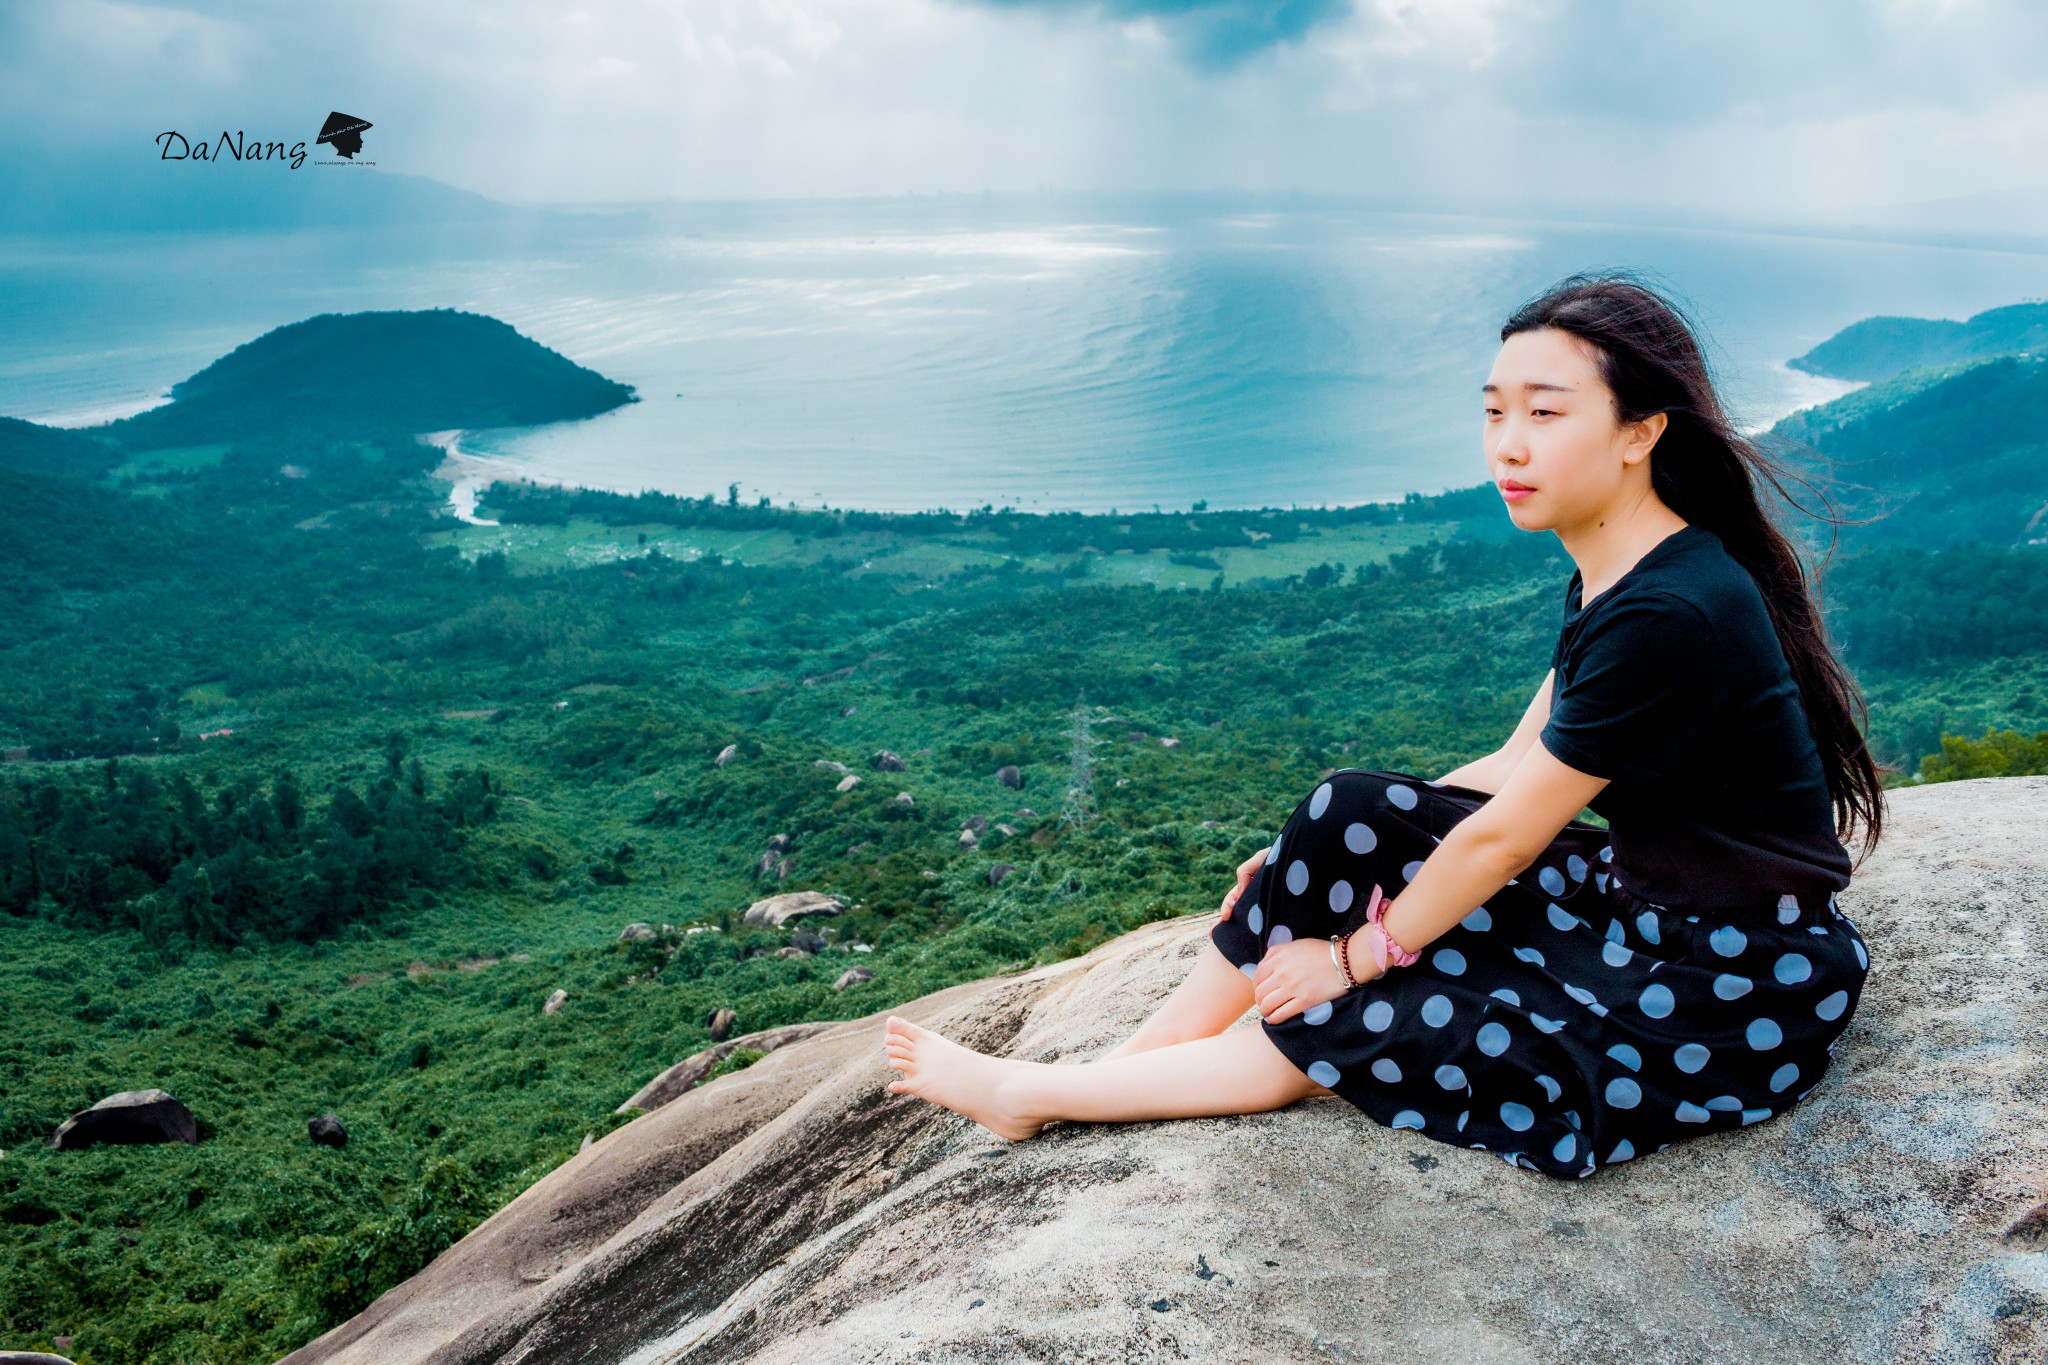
[(1041, 352)]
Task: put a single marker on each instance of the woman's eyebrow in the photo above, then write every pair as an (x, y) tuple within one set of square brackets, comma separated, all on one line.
[(1532, 386)]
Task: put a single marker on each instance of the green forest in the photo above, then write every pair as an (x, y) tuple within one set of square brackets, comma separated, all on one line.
[(314, 794)]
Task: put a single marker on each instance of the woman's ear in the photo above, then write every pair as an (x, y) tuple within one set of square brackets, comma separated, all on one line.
[(1643, 435)]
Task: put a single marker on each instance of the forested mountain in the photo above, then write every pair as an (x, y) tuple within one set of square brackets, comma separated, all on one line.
[(370, 374), (36, 449), (1877, 348)]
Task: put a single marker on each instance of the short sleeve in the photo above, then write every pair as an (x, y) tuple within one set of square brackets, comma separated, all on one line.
[(1648, 679)]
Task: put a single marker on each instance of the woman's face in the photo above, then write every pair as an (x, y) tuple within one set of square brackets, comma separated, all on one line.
[(1551, 428)]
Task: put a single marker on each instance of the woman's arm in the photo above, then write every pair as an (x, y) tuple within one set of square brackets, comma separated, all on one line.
[(1488, 774)]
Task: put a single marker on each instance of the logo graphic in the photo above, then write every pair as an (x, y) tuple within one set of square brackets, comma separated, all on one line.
[(345, 132)]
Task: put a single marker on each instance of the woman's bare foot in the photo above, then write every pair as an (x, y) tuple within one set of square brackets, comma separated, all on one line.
[(938, 1069)]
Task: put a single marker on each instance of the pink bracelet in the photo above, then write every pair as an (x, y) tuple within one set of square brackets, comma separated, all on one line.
[(1384, 949)]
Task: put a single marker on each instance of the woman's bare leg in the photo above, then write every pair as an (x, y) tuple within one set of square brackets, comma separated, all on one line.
[(1238, 1071), (1214, 996)]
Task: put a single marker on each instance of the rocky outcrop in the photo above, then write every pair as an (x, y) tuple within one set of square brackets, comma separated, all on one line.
[(133, 1116), (797, 1211), (776, 911), (691, 1071), (327, 1130)]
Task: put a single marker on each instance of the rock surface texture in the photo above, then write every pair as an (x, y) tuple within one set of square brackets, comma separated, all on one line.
[(797, 1211), (133, 1116)]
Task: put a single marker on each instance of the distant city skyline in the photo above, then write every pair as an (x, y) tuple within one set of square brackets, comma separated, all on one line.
[(1807, 114)]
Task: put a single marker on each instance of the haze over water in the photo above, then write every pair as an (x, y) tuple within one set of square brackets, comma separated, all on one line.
[(1049, 353)]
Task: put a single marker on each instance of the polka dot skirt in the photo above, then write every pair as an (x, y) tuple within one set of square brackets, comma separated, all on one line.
[(1566, 1024)]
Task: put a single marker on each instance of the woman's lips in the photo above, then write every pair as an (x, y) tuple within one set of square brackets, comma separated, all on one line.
[(1514, 492)]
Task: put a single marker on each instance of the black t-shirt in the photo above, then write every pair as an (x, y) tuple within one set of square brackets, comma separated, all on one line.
[(1672, 684)]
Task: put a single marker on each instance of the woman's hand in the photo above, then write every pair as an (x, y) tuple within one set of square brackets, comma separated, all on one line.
[(1246, 870), (1298, 975)]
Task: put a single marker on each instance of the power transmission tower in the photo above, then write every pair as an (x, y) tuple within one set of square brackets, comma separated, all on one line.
[(1080, 803)]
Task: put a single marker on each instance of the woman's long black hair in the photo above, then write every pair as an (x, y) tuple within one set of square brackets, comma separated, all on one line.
[(1708, 472)]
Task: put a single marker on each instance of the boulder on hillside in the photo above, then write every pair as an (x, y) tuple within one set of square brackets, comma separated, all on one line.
[(797, 1211), (637, 932), (777, 911), (555, 1002), (722, 1020), (887, 762), (1009, 776), (131, 1117), (327, 1130)]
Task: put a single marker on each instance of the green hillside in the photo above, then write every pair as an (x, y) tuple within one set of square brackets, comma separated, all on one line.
[(1879, 347), (35, 449), (357, 374)]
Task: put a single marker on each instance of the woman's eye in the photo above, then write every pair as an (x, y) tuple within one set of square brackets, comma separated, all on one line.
[(1544, 412)]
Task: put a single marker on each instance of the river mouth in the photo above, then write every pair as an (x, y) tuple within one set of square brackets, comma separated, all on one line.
[(467, 475)]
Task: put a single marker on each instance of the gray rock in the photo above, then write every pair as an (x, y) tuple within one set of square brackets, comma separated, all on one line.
[(797, 1211), (131, 1117), (725, 755), (781, 868), (636, 932), (1026, 813), (977, 823), (1009, 776), (778, 843), (998, 872), (804, 941), (886, 762), (1169, 743), (555, 1002), (905, 799), (853, 976), (780, 910), (327, 1131), (848, 710), (967, 839), (722, 1020), (834, 764), (32, 1358), (789, 950), (847, 783)]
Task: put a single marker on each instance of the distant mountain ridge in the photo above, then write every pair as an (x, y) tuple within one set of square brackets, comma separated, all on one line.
[(1880, 347), (355, 374)]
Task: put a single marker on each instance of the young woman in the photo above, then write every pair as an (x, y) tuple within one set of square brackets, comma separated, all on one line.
[(1563, 995)]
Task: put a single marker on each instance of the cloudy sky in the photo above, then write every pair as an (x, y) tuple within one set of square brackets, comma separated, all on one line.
[(1806, 112)]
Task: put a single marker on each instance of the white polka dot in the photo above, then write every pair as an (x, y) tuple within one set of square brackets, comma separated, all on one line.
[(1624, 1150), (1505, 994), (1862, 957), (1560, 918), (1688, 1112), (1624, 1093), (1567, 1148), (1614, 955), (1323, 1074), (1545, 1025), (1401, 795), (1449, 961), (1690, 1058), (1250, 969), (1725, 1104), (1627, 1056), (1819, 929), (1408, 1118), (1409, 869), (1297, 876), (1319, 802), (1281, 934), (1551, 880), (1657, 1001), (1436, 1011), (1317, 1014), (1607, 854), (1582, 995), (1783, 1077), (1529, 955), (1615, 933), (1378, 1015), (1600, 880), (1493, 1039), (1764, 1034), (1255, 919), (1575, 867), (1646, 925), (1273, 852), (1831, 1007), (1750, 1116), (1450, 1077), (1731, 987), (1728, 940), (1387, 1069), (1519, 1117), (1792, 969), (1359, 838), (1340, 896), (1462, 1116), (1550, 1088), (1479, 921)]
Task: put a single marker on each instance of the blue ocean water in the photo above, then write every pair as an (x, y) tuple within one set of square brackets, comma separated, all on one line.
[(906, 353)]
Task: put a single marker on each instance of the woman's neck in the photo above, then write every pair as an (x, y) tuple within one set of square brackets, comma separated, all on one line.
[(1610, 544)]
